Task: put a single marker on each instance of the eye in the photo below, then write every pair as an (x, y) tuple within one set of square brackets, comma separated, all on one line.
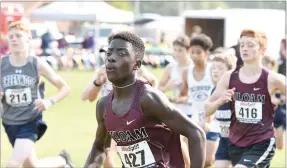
[(108, 54)]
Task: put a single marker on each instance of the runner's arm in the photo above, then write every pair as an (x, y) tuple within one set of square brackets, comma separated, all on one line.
[(144, 73), (184, 88), (156, 105), (102, 141), (165, 79), (91, 91), (277, 82), (214, 102), (46, 70)]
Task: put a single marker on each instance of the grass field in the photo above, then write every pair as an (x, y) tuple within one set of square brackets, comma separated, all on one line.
[(72, 124)]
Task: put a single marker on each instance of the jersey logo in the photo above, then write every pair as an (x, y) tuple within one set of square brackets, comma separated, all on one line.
[(255, 89), (129, 122), (18, 71)]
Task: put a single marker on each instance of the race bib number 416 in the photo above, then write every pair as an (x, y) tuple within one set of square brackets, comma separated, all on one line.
[(18, 97), (248, 112), (137, 155)]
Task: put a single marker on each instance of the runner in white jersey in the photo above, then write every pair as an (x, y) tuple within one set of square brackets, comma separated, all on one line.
[(100, 83), (172, 80), (196, 88), (22, 103)]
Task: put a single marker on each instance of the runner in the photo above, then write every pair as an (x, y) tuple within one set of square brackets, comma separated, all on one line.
[(249, 88), (143, 139), (22, 104), (197, 84), (280, 111), (222, 63), (101, 84), (171, 80)]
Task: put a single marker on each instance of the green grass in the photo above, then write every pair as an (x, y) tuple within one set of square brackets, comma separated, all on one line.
[(72, 124)]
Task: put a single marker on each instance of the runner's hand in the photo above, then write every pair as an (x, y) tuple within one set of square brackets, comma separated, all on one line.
[(101, 76), (227, 96), (42, 105)]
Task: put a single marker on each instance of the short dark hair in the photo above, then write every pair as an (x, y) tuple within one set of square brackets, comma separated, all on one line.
[(202, 40), (182, 40), (137, 43)]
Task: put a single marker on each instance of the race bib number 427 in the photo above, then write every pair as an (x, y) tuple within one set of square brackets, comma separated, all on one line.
[(18, 97), (137, 155), (248, 112)]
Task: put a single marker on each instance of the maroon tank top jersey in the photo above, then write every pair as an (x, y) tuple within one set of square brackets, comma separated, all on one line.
[(252, 111), (141, 142)]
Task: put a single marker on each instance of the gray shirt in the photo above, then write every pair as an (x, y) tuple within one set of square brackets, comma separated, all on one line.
[(20, 87)]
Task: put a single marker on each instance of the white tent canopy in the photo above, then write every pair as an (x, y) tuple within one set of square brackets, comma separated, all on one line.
[(82, 11)]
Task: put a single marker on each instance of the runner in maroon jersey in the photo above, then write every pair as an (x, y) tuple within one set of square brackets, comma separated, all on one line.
[(249, 88), (139, 118)]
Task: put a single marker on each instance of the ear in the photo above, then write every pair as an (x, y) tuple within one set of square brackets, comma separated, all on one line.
[(138, 64)]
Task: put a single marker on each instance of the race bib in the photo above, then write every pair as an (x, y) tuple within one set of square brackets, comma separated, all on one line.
[(248, 112), (18, 97), (224, 128), (137, 155)]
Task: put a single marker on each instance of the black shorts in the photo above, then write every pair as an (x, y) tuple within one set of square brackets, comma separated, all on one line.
[(280, 117), (33, 130), (258, 155)]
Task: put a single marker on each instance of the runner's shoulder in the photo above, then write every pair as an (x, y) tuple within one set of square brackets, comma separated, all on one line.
[(100, 108), (150, 96)]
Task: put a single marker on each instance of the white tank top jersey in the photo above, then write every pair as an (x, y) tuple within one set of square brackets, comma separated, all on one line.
[(198, 92), (176, 76)]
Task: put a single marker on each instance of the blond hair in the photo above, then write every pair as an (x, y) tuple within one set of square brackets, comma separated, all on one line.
[(19, 25), (269, 60), (227, 59)]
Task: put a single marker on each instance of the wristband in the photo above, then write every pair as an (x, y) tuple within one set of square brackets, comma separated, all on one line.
[(97, 85), (47, 104)]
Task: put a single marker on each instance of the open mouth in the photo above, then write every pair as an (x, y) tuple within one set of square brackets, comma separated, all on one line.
[(110, 69)]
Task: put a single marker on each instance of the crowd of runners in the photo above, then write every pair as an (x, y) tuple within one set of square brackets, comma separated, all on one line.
[(225, 109)]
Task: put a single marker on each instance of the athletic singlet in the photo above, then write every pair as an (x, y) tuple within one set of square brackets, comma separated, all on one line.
[(176, 76), (198, 92), (140, 141), (252, 111), (20, 87)]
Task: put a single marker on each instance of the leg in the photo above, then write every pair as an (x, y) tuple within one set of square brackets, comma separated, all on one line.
[(280, 137), (212, 145), (33, 162), (259, 154), (21, 151), (222, 164), (222, 159), (185, 152)]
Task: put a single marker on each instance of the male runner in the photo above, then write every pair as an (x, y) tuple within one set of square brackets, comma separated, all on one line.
[(196, 87), (249, 89), (100, 83), (139, 118), (221, 63), (172, 80), (22, 103)]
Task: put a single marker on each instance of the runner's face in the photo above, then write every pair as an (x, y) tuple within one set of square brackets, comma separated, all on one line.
[(217, 70), (249, 49), (198, 54), (180, 53), (18, 40), (121, 61)]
